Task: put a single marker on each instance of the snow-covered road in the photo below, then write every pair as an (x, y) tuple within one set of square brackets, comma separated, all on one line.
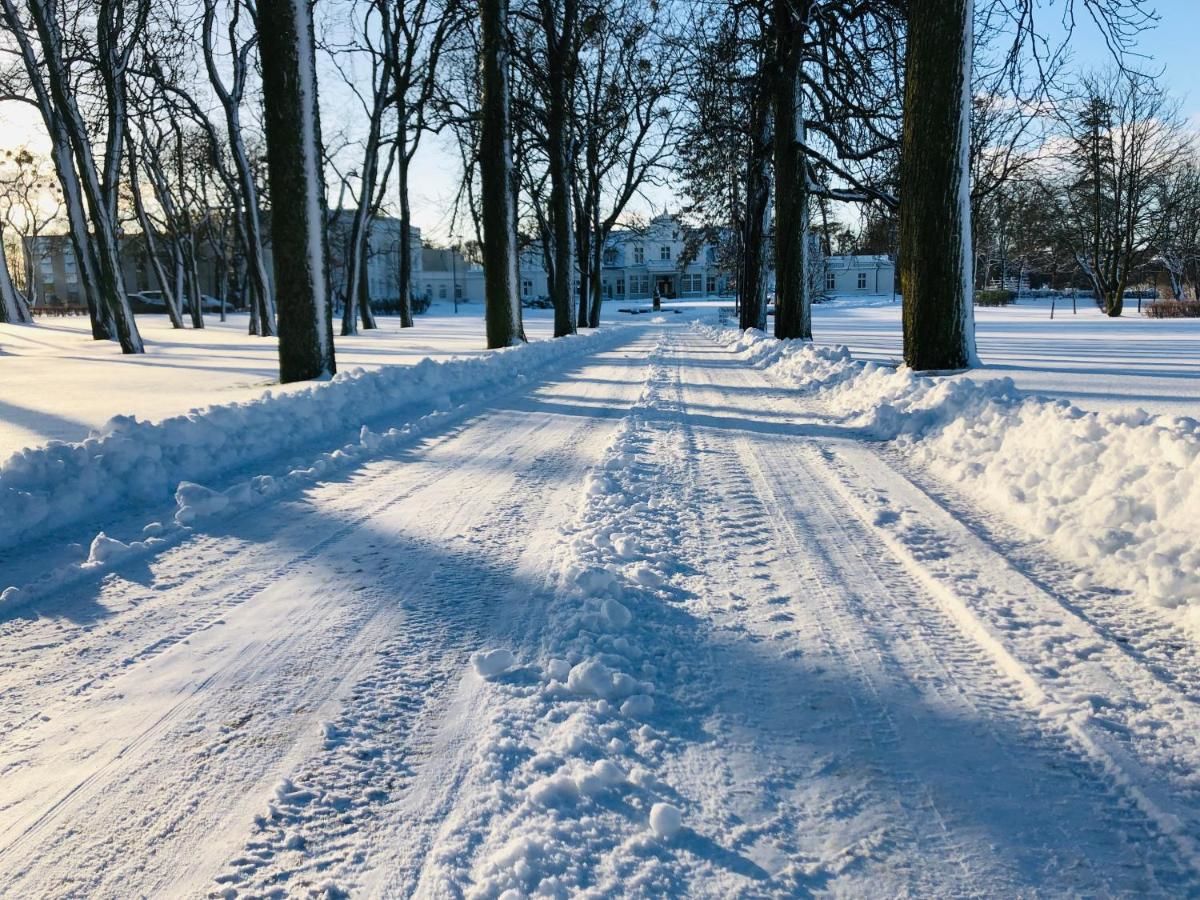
[(722, 603)]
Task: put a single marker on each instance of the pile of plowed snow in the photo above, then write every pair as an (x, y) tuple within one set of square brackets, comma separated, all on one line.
[(1116, 493), (134, 463)]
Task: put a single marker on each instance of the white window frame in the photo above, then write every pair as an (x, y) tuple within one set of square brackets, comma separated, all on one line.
[(830, 281), (862, 281)]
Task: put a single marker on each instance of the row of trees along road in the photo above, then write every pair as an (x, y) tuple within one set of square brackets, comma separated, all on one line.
[(189, 117)]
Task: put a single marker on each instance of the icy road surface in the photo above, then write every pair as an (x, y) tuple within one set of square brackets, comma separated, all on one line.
[(649, 626)]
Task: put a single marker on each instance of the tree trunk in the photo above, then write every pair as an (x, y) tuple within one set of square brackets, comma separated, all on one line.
[(160, 274), (365, 313), (294, 160), (560, 44), (356, 270), (758, 210), (13, 309), (503, 306), (793, 309), (406, 316), (195, 300), (583, 256), (358, 287), (597, 259), (935, 207)]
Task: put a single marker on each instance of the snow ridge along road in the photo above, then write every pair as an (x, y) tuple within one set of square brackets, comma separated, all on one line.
[(657, 626)]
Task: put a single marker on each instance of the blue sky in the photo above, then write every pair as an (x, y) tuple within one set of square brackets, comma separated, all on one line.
[(1173, 47)]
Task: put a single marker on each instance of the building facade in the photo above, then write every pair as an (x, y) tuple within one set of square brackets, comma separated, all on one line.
[(860, 275), (664, 257), (446, 276), (383, 258), (56, 271)]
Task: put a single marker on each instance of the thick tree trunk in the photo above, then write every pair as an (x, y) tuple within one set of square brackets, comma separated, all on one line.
[(406, 248), (294, 160), (935, 205), (1114, 303), (503, 306), (758, 210), (793, 310)]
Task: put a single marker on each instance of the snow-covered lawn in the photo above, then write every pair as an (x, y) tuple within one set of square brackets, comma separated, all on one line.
[(58, 384), (1087, 358)]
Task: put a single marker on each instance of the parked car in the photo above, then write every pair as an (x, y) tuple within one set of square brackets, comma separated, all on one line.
[(144, 303), (153, 302)]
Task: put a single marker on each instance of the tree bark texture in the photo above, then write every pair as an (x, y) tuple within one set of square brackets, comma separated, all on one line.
[(294, 161), (935, 209), (793, 309), (503, 307)]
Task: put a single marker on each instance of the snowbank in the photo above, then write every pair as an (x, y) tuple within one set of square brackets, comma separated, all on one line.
[(133, 463), (1116, 493)]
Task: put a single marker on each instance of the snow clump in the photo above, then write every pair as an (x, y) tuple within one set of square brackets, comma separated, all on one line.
[(490, 663), (665, 820)]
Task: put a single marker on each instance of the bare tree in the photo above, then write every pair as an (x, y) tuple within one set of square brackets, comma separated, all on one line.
[(240, 40), (31, 202), (625, 127), (1126, 142), (48, 38), (1179, 239)]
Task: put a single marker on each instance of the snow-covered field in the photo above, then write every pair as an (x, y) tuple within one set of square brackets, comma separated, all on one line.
[(662, 611), (59, 384), (1087, 358)]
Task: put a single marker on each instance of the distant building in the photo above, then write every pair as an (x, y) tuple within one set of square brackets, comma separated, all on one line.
[(445, 274), (666, 256), (859, 274), (383, 257), (56, 271)]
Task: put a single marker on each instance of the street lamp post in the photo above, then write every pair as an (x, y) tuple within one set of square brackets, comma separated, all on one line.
[(454, 271)]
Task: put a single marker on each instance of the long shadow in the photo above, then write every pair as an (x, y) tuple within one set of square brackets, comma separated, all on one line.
[(40, 422), (1035, 804), (1098, 370), (23, 565)]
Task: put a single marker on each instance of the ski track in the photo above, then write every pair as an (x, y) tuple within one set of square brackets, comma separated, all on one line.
[(865, 685)]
